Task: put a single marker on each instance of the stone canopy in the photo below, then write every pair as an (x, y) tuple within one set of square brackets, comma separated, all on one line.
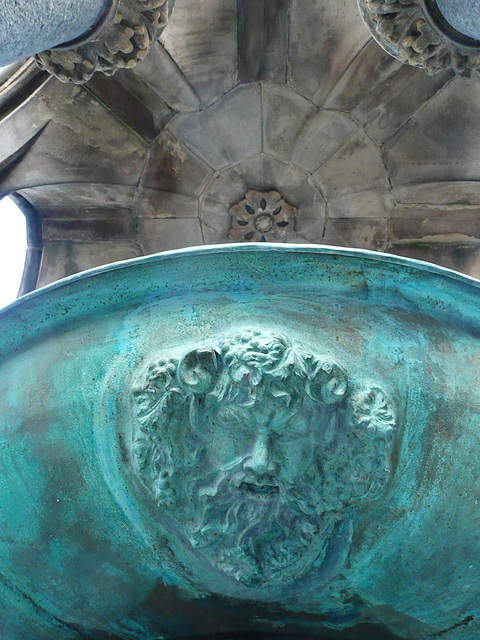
[(280, 95)]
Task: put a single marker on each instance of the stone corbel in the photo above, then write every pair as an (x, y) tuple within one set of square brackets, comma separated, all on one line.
[(121, 40), (415, 32)]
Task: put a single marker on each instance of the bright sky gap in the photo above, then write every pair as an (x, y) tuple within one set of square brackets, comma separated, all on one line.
[(13, 245)]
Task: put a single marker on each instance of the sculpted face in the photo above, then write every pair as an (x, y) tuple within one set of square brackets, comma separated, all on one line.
[(273, 442), (258, 451)]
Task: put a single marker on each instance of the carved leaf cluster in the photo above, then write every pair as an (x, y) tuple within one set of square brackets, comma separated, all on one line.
[(401, 28), (122, 44)]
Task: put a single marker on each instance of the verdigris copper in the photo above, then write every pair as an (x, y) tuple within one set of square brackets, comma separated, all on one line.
[(277, 440), (260, 452)]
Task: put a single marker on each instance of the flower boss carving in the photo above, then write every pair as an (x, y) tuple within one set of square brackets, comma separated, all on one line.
[(262, 217), (259, 450)]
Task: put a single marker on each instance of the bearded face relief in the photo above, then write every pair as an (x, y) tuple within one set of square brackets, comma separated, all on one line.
[(259, 451)]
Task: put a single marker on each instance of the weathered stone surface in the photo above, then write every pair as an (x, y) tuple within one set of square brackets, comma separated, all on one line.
[(142, 110), (173, 167), (339, 34), (105, 226), (442, 142), (286, 114), (456, 255), (354, 180), (62, 259), (395, 101), (159, 72), (448, 192), (324, 134), (155, 234), (214, 133), (154, 203), (436, 225), (77, 195), (73, 147), (367, 233), (202, 39), (365, 75), (262, 40)]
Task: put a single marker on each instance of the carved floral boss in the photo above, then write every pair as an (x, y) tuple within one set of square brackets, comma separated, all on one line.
[(262, 217), (260, 452)]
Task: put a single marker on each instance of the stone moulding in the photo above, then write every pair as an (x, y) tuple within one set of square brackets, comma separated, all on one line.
[(411, 31), (122, 40)]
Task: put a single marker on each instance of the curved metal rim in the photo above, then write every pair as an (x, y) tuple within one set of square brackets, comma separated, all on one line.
[(260, 247)]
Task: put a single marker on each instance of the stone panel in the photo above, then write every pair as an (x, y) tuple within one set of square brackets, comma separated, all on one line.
[(262, 40), (155, 234), (83, 142), (366, 74), (202, 39), (384, 110), (174, 167), (462, 192), (324, 38), (285, 116), (226, 132), (456, 256), (215, 221), (359, 233), (442, 143), (323, 135), (436, 225), (154, 203), (71, 196), (62, 259), (139, 108), (86, 229), (160, 73), (354, 180)]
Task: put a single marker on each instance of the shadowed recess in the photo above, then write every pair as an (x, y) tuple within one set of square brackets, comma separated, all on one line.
[(262, 40)]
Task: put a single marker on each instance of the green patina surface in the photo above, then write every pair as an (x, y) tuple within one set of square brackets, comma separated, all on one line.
[(280, 441)]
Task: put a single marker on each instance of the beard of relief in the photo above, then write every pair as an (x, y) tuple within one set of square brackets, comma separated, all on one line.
[(258, 538)]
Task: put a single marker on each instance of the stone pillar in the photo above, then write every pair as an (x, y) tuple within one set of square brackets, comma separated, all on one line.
[(30, 26)]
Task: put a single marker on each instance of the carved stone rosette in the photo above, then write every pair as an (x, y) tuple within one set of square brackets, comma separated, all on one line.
[(262, 217), (414, 32), (121, 41)]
